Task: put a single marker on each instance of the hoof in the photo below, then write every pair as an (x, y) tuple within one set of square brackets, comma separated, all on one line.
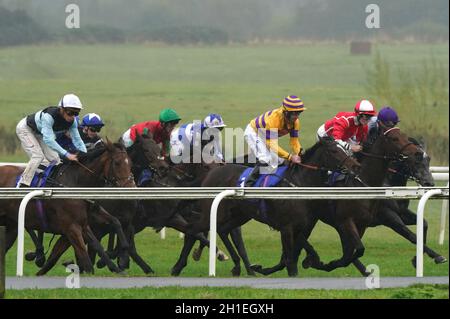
[(30, 256), (40, 261), (236, 271), (222, 256), (175, 272), (251, 272), (100, 264), (257, 268), (440, 260), (197, 254)]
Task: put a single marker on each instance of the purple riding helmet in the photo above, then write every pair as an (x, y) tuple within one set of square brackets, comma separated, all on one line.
[(388, 116)]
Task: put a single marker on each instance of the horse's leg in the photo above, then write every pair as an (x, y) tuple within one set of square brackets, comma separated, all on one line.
[(38, 254), (287, 242), (98, 248), (134, 254), (349, 236), (236, 236), (189, 242), (392, 220), (179, 223), (61, 245), (197, 253), (361, 267), (236, 271), (101, 216), (112, 251), (75, 236), (11, 234)]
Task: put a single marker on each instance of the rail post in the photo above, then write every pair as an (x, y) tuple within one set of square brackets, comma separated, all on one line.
[(213, 229), (419, 244), (21, 228), (443, 220)]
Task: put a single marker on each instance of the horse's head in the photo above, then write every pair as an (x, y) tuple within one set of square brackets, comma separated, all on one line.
[(399, 147), (148, 153), (117, 168)]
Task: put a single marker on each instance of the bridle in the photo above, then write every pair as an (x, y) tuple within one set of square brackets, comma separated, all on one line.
[(398, 156), (112, 179)]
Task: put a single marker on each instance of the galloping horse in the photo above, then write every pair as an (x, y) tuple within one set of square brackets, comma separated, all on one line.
[(70, 217), (289, 217), (351, 218), (374, 213)]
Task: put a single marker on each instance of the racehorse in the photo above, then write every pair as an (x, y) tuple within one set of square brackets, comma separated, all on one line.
[(351, 218), (370, 213), (289, 217), (70, 217)]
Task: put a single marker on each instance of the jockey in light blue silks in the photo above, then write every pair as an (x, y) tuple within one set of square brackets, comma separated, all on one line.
[(37, 134), (192, 140)]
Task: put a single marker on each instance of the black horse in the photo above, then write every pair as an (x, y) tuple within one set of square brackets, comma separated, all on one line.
[(369, 213), (160, 213), (289, 217)]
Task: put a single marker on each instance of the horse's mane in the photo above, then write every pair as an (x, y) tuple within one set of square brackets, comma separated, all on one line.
[(97, 152), (310, 151)]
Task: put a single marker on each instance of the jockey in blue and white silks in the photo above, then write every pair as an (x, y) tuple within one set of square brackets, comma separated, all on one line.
[(198, 138)]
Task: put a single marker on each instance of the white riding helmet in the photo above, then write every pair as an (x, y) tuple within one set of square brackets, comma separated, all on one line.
[(213, 120), (71, 101)]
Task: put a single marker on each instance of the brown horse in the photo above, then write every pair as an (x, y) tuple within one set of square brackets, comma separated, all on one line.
[(70, 217), (351, 218), (286, 216)]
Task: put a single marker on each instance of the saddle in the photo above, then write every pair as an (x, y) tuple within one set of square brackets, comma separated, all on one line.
[(264, 180), (40, 178)]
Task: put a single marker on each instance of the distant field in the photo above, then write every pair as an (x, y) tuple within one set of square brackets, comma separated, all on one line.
[(128, 84)]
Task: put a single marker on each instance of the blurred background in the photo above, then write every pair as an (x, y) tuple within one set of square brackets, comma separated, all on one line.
[(130, 59)]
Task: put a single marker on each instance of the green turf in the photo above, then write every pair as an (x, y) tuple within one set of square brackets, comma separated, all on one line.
[(384, 248), (412, 292)]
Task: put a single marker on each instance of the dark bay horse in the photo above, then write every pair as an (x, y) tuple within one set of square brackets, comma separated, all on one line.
[(351, 218), (155, 213), (144, 154), (70, 218), (289, 217), (370, 213)]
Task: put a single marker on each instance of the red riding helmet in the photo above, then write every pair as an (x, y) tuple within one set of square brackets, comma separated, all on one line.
[(365, 107)]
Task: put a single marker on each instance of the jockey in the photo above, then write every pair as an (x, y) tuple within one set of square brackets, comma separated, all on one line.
[(349, 129), (387, 117), (160, 130), (37, 135), (262, 135), (89, 129), (198, 135)]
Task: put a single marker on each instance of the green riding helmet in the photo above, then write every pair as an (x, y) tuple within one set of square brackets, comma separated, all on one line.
[(168, 115)]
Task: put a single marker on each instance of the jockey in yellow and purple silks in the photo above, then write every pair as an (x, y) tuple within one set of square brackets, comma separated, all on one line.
[(263, 132)]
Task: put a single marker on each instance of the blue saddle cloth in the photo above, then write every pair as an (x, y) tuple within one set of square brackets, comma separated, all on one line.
[(40, 179), (335, 177), (145, 176), (264, 180)]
